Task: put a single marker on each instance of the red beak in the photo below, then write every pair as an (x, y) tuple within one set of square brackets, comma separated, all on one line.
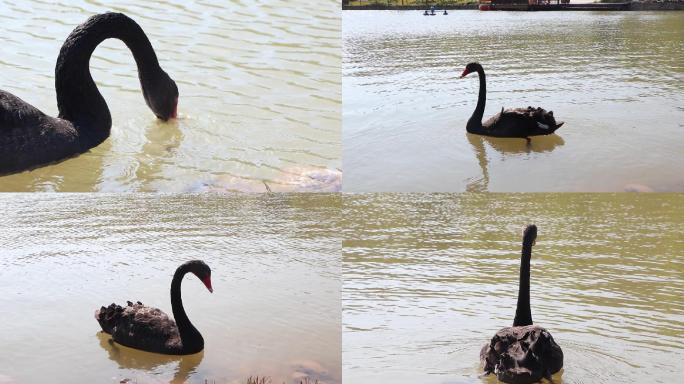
[(207, 283), (465, 73)]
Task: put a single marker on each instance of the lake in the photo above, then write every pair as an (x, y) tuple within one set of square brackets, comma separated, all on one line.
[(275, 262), (430, 278), (260, 95), (614, 78)]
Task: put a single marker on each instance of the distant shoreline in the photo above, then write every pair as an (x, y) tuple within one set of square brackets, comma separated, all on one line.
[(380, 7), (657, 6), (637, 6)]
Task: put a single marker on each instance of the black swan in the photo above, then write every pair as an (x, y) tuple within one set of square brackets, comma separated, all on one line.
[(514, 122), (29, 138), (150, 329), (523, 353)]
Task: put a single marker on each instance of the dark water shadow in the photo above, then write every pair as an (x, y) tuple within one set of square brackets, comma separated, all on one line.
[(78, 173), (506, 147), (86, 172), (556, 378), (130, 358)]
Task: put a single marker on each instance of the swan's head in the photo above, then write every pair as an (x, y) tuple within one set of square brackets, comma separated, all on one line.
[(161, 95), (530, 235), (471, 67), (200, 269)]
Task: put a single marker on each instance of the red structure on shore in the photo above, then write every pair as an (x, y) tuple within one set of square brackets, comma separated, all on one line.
[(547, 5)]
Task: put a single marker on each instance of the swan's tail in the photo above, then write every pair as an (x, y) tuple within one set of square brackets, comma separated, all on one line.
[(108, 317), (550, 126)]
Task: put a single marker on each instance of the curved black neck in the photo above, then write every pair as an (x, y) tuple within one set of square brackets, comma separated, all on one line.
[(191, 339), (523, 313), (78, 98), (475, 122)]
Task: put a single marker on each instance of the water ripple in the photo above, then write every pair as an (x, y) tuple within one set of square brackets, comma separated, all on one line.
[(64, 255), (247, 72), (429, 278)]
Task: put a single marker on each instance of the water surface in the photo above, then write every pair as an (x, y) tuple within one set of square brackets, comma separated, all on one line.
[(259, 84), (615, 78), (275, 262), (429, 279)]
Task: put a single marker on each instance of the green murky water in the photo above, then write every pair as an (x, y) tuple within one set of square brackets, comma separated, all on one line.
[(275, 262), (429, 279), (259, 84), (615, 78)]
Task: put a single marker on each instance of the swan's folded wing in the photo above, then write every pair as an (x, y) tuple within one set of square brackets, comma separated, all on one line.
[(29, 138), (543, 118), (511, 115), (142, 325), (533, 119), (16, 113), (520, 113)]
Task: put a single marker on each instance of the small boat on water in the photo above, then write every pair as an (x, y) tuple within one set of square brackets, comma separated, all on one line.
[(431, 12)]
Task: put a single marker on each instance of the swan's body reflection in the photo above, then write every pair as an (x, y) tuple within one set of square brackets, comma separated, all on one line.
[(86, 173), (79, 174), (130, 358), (162, 139), (507, 147)]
